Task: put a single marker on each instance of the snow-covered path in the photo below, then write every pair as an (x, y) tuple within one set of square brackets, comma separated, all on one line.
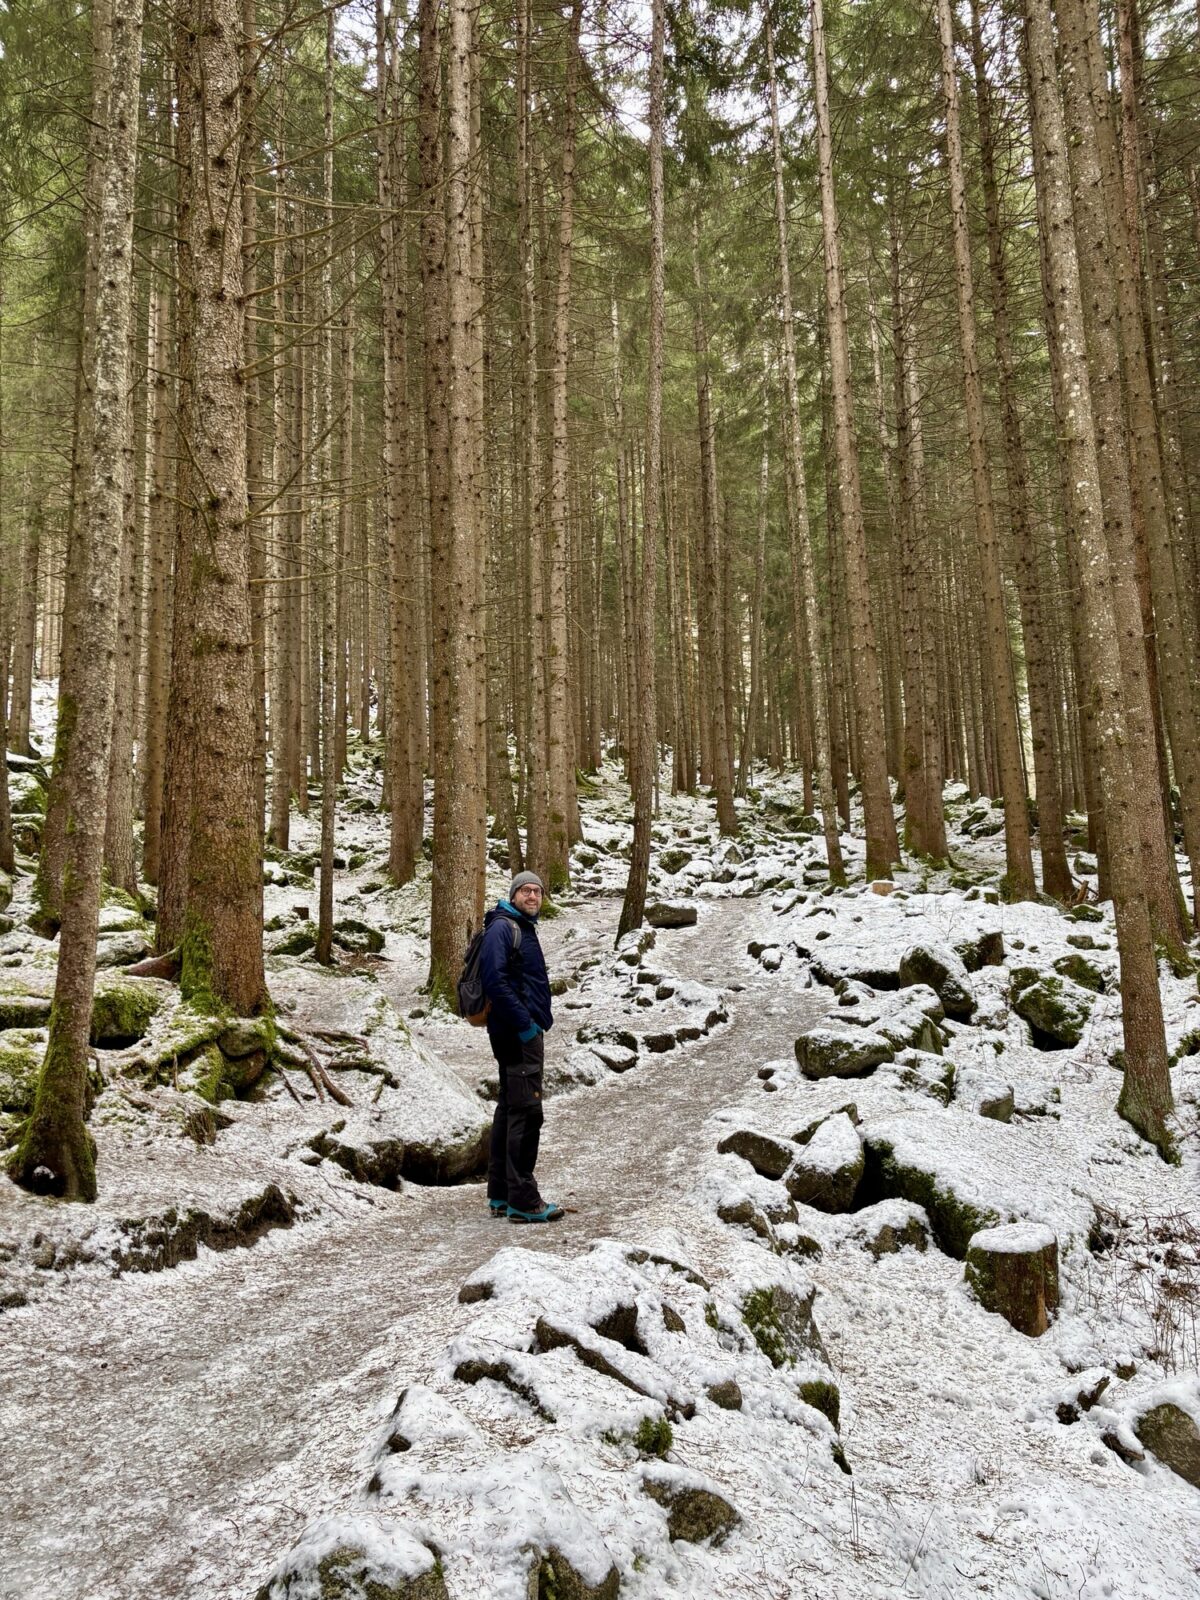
[(196, 1419)]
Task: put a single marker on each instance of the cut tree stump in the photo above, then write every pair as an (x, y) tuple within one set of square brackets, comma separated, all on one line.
[(1013, 1269)]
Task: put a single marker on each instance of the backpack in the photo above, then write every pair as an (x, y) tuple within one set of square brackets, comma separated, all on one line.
[(472, 1002)]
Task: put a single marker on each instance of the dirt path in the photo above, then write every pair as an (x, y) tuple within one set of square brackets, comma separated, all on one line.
[(177, 1430)]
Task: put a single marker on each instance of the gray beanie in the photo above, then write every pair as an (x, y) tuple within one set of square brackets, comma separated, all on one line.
[(522, 879)]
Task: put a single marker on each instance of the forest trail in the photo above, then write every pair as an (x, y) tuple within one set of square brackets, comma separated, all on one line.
[(199, 1416)]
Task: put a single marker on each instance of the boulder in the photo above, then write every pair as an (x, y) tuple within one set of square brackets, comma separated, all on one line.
[(665, 914), (122, 1012), (1056, 1008), (19, 1010), (358, 937), (1013, 1269), (695, 1511), (782, 1324), (555, 1577), (21, 1054), (828, 1169), (941, 969), (891, 1226), (726, 1394), (841, 1052), (1080, 970), (616, 1057), (358, 1569), (877, 966), (673, 861), (953, 1217), (121, 949), (296, 941), (1171, 1433), (981, 950), (767, 1156)]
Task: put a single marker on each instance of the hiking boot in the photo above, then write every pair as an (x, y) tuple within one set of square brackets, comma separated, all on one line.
[(498, 1208), (548, 1213)]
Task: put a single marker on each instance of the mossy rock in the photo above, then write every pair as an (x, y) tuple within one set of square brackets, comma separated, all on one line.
[(953, 1219), (769, 1157), (359, 937), (674, 861), (557, 1578), (944, 971), (1085, 913), (122, 1012), (206, 1075), (846, 1052), (694, 1514), (345, 1574), (6, 890), (782, 1324), (1171, 1433), (21, 1053), (1013, 1270), (301, 939), (1083, 972), (1056, 1009), (26, 796), (21, 1010)]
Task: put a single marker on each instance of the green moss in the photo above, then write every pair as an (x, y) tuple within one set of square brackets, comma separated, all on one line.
[(762, 1316), (952, 1218), (122, 1011), (654, 1437), (557, 877), (21, 1053), (56, 1154), (196, 974), (303, 937), (1082, 971), (823, 1396), (205, 1074), (711, 1315)]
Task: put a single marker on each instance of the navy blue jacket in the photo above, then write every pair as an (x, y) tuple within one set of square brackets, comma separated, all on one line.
[(516, 983)]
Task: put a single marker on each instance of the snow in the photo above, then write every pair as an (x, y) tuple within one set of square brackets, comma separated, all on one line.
[(232, 1421), (1014, 1238)]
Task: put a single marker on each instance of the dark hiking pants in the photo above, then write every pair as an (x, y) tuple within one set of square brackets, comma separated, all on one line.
[(517, 1123)]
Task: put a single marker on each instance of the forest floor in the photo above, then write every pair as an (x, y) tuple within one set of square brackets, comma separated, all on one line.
[(249, 1365)]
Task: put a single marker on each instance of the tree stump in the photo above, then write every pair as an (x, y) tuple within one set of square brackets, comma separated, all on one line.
[(1013, 1269)]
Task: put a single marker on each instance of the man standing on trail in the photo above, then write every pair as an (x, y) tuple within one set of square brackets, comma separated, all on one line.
[(512, 970)]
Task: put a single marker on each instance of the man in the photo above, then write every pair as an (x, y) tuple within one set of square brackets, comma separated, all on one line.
[(512, 970)]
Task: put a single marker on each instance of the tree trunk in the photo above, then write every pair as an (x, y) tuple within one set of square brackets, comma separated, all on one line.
[(1018, 880), (806, 624), (634, 905), (883, 846), (56, 1153), (1145, 1099), (222, 944)]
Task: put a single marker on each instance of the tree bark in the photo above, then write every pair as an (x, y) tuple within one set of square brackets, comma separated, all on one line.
[(56, 1152)]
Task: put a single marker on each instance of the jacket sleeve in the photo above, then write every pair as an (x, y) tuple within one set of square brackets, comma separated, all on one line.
[(508, 1008)]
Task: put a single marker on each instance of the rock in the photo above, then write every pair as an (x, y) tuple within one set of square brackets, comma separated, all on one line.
[(942, 971), (611, 1359), (760, 1219), (954, 1219), (1083, 972), (352, 1572), (296, 941), (725, 1394), (121, 949), (847, 1052), (882, 887), (19, 1010), (1085, 913), (782, 1324), (673, 861), (6, 889), (358, 937), (694, 1513), (245, 1035), (827, 1171), (983, 950), (923, 1073), (1056, 1009), (876, 966), (21, 1054), (1013, 1269), (1171, 1433), (556, 1578), (986, 1096), (659, 1043), (891, 1226), (607, 1036), (767, 1156), (365, 1148), (122, 1012), (616, 1057), (665, 914)]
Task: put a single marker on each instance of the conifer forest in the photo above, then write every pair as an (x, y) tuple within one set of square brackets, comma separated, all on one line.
[(738, 461)]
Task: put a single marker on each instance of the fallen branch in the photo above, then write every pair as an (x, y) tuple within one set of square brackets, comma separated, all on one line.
[(314, 1067)]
